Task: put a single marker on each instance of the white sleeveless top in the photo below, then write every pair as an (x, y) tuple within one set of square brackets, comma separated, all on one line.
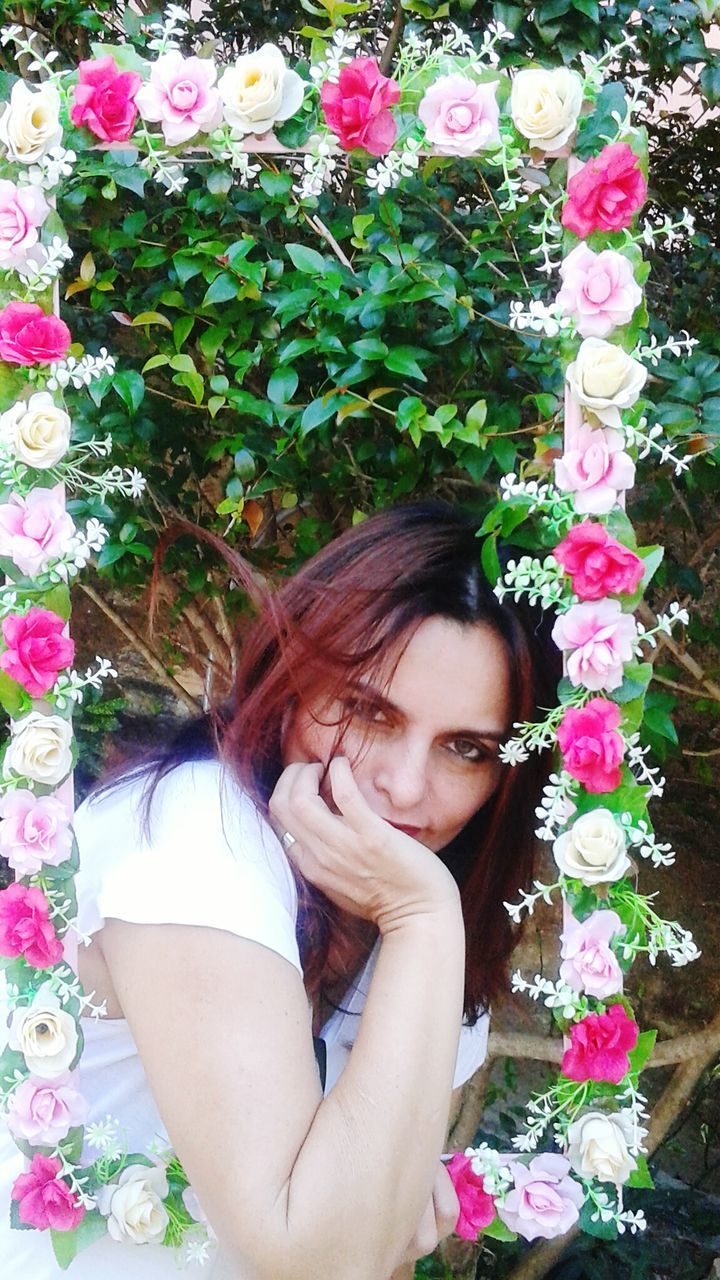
[(212, 860)]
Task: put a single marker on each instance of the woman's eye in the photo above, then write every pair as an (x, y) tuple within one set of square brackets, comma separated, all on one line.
[(468, 750), (360, 709)]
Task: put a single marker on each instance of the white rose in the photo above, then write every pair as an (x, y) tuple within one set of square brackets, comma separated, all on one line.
[(45, 1034), (593, 850), (30, 124), (598, 1145), (39, 748), (605, 379), (259, 91), (37, 430), (545, 105), (133, 1205)]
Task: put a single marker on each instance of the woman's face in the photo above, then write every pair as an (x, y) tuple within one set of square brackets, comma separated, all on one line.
[(423, 747)]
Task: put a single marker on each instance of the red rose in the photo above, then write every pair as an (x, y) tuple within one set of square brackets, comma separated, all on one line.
[(607, 192), (29, 336), (356, 108), (591, 745), (600, 1045), (104, 99), (26, 929), (36, 649), (597, 563), (44, 1200), (477, 1208)]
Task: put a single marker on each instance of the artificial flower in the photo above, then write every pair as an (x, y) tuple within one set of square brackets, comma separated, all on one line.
[(37, 649), (104, 99), (599, 1046), (30, 122), (605, 379), (588, 962), (133, 1206), (181, 96), (29, 336), (606, 193), (260, 91), (598, 1145), (34, 832), (545, 105), (596, 469), (544, 1201), (22, 211), (591, 746), (25, 927), (477, 1207), (460, 116), (597, 564), (36, 529), (357, 107), (44, 1199), (36, 431), (594, 850), (42, 1113), (599, 290), (45, 1034), (39, 749), (597, 639)]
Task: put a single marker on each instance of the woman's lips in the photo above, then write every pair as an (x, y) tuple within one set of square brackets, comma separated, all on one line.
[(409, 831)]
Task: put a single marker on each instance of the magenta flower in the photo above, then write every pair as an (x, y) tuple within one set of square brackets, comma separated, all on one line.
[(591, 745), (29, 336), (36, 650), (25, 927), (600, 1045), (357, 108), (544, 1202), (104, 99), (477, 1207), (44, 1200), (597, 564), (607, 192)]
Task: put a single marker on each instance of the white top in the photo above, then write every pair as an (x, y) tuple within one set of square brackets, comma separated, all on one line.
[(213, 860)]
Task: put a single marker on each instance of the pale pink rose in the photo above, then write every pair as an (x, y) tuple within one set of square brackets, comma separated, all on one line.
[(544, 1201), (460, 116), (22, 211), (181, 96), (596, 469), (42, 1113), (35, 530), (599, 290), (599, 639), (35, 831), (588, 962)]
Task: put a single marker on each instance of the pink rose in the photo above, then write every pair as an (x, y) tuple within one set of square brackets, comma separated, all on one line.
[(460, 116), (599, 638), (104, 99), (588, 964), (544, 1201), (597, 563), (599, 290), (29, 336), (36, 649), (25, 927), (22, 211), (607, 192), (599, 1046), (43, 1114), (477, 1208), (35, 529), (591, 746), (35, 831), (596, 469), (44, 1200), (357, 107), (181, 96)]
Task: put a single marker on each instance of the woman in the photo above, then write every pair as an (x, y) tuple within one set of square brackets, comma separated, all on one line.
[(369, 705)]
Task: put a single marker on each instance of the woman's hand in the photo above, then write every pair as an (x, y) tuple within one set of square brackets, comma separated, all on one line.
[(362, 863), (438, 1220)]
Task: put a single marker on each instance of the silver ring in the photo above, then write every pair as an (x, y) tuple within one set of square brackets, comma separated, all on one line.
[(288, 840)]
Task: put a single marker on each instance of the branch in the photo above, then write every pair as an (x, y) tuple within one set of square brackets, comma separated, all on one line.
[(396, 31)]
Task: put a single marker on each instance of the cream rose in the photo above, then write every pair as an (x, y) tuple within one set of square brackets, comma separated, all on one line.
[(594, 850), (45, 1034), (39, 748), (605, 379), (598, 1144), (133, 1205), (259, 90), (30, 124), (37, 430), (545, 105)]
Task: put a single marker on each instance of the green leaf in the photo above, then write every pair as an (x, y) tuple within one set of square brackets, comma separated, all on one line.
[(13, 697), (642, 1176), (283, 384), (57, 599), (307, 260), (636, 678), (603, 1230), (223, 288), (403, 360), (497, 1230), (490, 560), (476, 415), (317, 412), (644, 1047), (130, 386), (194, 382), (276, 185), (369, 348), (67, 1244)]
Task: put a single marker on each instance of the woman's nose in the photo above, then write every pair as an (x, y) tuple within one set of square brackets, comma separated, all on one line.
[(401, 775)]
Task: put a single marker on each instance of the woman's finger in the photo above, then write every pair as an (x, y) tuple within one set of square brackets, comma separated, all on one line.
[(446, 1203)]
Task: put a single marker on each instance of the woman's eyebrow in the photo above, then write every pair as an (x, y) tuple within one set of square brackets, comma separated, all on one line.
[(380, 700)]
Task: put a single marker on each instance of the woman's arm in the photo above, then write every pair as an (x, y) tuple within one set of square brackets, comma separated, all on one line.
[(293, 1184)]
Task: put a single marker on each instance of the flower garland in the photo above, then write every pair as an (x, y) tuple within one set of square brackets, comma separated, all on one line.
[(446, 102)]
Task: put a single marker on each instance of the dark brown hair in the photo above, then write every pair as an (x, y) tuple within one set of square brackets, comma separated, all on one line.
[(347, 612)]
